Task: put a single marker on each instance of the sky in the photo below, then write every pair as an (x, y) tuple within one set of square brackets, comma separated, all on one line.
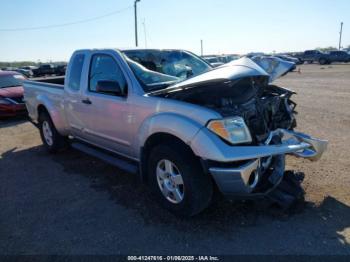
[(225, 26)]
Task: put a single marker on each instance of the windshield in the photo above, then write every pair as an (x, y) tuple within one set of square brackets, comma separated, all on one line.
[(157, 69), (11, 80)]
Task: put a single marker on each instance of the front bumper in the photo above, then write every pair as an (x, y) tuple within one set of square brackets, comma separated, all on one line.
[(261, 168)]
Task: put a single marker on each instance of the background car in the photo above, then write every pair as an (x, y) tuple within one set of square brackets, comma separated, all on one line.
[(311, 56), (30, 69), (25, 72), (228, 58), (213, 61), (252, 54), (45, 69), (11, 94), (339, 56), (290, 59), (60, 70)]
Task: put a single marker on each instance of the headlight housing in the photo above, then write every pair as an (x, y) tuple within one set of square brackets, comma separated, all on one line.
[(233, 130)]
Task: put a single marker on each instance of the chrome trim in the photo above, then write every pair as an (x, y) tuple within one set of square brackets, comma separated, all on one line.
[(313, 152), (235, 179)]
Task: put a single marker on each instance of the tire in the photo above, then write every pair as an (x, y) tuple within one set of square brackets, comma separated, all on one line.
[(50, 137), (322, 61), (196, 188)]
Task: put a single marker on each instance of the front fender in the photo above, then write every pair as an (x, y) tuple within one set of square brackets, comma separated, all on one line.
[(174, 124)]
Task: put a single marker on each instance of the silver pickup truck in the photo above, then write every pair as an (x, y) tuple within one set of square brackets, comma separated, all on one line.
[(186, 128)]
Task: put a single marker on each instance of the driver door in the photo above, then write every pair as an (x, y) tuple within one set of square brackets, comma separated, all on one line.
[(109, 113)]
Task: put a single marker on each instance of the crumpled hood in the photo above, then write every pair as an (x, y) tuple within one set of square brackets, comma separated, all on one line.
[(270, 67), (15, 91), (243, 67), (274, 66)]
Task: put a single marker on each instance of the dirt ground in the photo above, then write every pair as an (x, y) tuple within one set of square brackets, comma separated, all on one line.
[(73, 204)]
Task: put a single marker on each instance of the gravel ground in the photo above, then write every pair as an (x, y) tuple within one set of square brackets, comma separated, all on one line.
[(73, 204)]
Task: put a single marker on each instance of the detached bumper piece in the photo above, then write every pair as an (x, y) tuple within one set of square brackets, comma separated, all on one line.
[(315, 147), (289, 191), (265, 176)]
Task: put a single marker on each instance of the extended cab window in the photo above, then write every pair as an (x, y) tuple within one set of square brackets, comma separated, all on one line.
[(75, 72), (106, 76)]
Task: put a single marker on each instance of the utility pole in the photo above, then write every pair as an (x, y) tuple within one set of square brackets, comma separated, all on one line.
[(201, 47), (135, 9), (340, 34)]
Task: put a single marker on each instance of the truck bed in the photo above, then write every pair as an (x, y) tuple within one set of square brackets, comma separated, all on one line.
[(45, 90), (58, 80)]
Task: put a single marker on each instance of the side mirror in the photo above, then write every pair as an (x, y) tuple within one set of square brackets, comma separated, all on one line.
[(109, 87)]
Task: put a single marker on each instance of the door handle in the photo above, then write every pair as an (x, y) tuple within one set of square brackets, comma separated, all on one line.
[(86, 101)]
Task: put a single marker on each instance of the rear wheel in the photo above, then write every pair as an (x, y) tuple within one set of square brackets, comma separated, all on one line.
[(52, 140), (177, 179), (322, 61)]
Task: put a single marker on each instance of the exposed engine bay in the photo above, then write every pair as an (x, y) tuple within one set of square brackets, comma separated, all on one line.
[(240, 88), (263, 106)]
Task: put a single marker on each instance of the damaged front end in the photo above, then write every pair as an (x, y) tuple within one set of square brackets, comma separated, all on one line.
[(254, 165), (260, 169)]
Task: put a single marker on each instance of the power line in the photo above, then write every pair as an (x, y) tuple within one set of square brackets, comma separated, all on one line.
[(65, 24)]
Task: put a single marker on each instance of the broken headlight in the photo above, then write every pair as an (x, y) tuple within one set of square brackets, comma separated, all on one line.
[(233, 130)]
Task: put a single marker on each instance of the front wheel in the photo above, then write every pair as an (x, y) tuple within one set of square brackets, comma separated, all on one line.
[(52, 140), (178, 181)]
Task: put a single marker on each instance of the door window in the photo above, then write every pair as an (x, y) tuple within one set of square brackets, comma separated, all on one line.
[(105, 71), (75, 72)]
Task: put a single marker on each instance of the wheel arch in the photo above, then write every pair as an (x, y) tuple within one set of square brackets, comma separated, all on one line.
[(44, 106), (161, 128), (42, 109), (154, 140)]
